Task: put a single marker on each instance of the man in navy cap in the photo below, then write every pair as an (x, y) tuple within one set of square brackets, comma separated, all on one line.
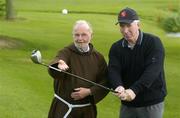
[(136, 69)]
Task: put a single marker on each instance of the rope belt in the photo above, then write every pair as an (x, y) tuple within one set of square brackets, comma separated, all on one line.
[(71, 106)]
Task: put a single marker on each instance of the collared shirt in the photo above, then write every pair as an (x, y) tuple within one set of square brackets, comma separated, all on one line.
[(139, 41)]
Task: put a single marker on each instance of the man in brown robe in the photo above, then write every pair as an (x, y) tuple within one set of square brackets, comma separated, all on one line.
[(79, 58)]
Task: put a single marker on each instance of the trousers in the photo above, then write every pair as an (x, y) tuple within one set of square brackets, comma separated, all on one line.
[(152, 111)]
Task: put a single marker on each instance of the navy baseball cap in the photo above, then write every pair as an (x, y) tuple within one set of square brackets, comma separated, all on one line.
[(127, 15)]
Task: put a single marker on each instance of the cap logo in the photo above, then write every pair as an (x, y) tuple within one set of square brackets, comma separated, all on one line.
[(123, 14), (127, 15)]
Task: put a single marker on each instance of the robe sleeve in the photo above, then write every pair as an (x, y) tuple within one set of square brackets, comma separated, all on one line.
[(63, 55), (97, 92)]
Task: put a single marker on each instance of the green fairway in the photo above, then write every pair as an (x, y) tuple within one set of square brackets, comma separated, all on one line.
[(26, 89)]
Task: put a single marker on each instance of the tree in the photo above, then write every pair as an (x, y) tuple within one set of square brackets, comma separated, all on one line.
[(2, 8), (10, 13)]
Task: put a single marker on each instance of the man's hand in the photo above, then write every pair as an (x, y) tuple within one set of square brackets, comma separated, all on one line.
[(80, 93), (125, 95), (128, 95), (62, 65), (120, 90)]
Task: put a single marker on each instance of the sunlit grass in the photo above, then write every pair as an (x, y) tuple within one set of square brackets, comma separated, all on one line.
[(26, 89)]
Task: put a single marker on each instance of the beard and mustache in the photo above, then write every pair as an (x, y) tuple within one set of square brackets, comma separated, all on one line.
[(82, 47)]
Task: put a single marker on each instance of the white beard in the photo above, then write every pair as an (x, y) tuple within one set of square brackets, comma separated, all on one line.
[(82, 47)]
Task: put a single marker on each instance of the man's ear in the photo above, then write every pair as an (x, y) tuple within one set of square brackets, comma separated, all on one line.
[(91, 36), (138, 24)]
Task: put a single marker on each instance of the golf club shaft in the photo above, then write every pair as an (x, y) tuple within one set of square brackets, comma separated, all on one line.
[(81, 78)]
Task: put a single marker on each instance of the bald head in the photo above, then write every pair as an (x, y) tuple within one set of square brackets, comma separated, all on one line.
[(82, 23)]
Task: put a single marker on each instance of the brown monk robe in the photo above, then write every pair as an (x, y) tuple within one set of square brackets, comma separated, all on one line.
[(90, 65)]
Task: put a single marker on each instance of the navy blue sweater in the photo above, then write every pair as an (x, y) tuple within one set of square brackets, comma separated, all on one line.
[(140, 69)]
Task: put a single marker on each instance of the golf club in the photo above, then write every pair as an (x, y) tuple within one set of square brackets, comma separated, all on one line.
[(37, 59)]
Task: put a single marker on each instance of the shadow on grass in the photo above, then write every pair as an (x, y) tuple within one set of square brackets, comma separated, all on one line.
[(10, 43), (7, 42)]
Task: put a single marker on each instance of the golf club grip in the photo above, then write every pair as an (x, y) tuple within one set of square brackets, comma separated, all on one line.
[(76, 76)]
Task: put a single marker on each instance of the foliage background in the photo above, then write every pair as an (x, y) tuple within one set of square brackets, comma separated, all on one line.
[(26, 89)]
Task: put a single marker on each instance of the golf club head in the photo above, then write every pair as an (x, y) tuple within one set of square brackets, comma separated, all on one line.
[(36, 57)]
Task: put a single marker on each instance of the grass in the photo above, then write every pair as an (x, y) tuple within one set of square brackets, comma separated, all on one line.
[(26, 89)]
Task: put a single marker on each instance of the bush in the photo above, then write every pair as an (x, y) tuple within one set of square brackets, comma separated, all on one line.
[(172, 23)]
